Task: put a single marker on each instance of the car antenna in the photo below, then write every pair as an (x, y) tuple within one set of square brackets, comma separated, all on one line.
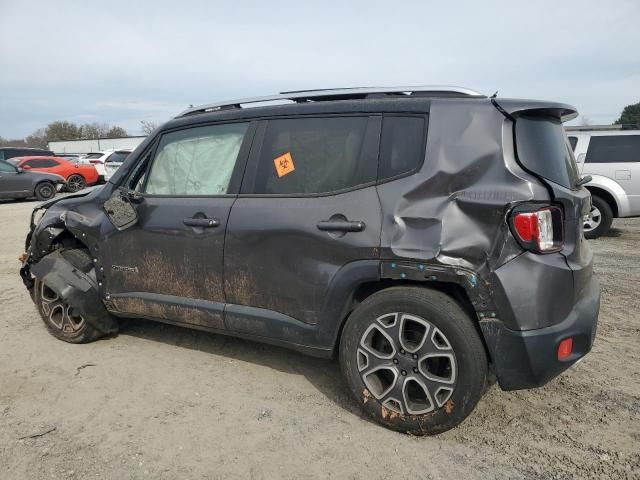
[(495, 94)]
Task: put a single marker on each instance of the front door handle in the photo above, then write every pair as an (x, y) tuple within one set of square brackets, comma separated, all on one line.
[(341, 226), (201, 222)]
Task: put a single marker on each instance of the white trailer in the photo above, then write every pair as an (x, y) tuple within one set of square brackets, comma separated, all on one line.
[(95, 145)]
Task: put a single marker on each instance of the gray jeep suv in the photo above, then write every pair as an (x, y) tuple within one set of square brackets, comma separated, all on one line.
[(430, 237)]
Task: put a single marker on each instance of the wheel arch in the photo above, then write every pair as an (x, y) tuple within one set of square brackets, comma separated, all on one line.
[(366, 289), (606, 196)]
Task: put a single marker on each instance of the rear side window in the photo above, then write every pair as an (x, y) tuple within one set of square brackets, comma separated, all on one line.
[(402, 146), (196, 161), (614, 149), (117, 157), (573, 141), (315, 155), (543, 148)]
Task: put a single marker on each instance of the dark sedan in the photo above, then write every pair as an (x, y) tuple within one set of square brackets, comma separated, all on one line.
[(18, 183)]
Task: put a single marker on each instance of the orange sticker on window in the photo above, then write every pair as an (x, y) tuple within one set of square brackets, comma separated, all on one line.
[(284, 164)]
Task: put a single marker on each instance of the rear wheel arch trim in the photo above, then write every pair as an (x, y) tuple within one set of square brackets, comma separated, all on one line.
[(456, 286), (607, 196)]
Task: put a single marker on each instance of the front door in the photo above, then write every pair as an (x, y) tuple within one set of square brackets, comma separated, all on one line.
[(308, 209), (168, 265), (12, 183)]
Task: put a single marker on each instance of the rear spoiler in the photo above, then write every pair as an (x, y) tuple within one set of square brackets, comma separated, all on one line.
[(512, 107)]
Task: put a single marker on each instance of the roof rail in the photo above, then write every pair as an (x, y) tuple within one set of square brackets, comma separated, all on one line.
[(301, 96), (589, 128)]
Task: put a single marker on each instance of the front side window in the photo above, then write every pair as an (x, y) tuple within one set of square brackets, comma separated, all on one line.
[(40, 163), (614, 149), (573, 141), (314, 155), (196, 161), (5, 167)]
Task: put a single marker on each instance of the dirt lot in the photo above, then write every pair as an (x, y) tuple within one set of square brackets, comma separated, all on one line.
[(164, 402)]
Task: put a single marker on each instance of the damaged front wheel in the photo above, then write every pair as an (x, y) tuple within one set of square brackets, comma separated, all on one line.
[(65, 293), (60, 318)]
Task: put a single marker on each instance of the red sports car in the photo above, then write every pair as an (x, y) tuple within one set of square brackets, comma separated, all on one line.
[(77, 175)]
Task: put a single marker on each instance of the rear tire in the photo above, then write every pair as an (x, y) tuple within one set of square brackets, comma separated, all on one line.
[(414, 360), (598, 221), (45, 191), (76, 182)]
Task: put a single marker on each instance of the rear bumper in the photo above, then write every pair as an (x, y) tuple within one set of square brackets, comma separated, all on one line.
[(527, 359)]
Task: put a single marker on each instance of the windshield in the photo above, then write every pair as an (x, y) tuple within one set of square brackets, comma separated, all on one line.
[(543, 148), (14, 160)]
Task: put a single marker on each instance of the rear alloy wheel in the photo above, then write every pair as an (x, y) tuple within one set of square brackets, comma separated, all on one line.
[(598, 221), (45, 191), (414, 360), (75, 182)]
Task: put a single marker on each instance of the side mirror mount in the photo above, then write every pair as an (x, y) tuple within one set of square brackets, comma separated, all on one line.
[(20, 169), (119, 209)]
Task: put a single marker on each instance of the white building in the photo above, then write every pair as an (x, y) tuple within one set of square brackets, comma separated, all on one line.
[(95, 145)]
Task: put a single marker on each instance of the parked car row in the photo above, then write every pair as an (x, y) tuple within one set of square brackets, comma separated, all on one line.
[(71, 172)]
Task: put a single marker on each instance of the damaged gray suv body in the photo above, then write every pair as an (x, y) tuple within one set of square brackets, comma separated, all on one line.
[(429, 237)]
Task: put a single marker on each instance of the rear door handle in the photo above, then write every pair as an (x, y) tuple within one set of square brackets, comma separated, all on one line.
[(341, 226), (201, 222)]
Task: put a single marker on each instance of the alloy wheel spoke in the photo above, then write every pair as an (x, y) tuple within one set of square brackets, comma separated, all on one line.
[(407, 364)]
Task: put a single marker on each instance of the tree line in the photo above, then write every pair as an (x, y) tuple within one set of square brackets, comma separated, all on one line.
[(63, 130)]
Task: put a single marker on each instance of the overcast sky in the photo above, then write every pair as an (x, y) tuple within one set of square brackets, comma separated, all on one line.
[(122, 62)]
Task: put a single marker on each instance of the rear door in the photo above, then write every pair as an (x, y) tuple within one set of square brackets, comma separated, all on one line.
[(618, 158), (308, 207), (168, 265)]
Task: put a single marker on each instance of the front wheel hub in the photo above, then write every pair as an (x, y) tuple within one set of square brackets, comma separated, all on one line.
[(58, 313), (593, 219)]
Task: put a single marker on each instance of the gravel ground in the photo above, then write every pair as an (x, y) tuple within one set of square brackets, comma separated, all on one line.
[(164, 402)]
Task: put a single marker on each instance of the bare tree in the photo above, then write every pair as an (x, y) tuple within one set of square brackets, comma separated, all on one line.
[(584, 120), (116, 132), (147, 127)]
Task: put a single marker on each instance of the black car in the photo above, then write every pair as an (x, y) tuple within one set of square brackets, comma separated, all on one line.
[(429, 237), (19, 183), (9, 152)]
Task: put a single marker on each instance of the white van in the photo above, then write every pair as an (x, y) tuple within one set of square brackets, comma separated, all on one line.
[(611, 156)]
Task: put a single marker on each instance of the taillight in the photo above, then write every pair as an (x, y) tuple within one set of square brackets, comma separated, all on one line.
[(539, 230), (95, 161)]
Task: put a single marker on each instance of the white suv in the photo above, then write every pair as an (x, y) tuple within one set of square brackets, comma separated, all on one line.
[(612, 157), (99, 160)]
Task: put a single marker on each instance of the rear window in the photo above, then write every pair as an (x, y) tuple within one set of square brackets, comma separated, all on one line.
[(117, 157), (614, 149), (402, 146), (543, 148), (93, 155)]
